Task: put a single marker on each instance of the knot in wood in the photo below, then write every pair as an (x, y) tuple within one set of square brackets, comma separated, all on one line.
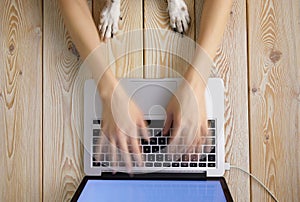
[(275, 56), (11, 48), (254, 90)]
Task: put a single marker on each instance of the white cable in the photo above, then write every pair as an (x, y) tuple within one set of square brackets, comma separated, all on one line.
[(257, 180)]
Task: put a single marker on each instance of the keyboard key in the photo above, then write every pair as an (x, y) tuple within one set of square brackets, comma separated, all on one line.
[(156, 164), (193, 164), (211, 124), (144, 142), (96, 164), (211, 165), (185, 157), (168, 157), (96, 149), (213, 150), (202, 164), (162, 141), (166, 164), (175, 164), (202, 157), (157, 132), (108, 157), (150, 132), (122, 164), (155, 149), (194, 157), (212, 132), (98, 157), (211, 157), (163, 149), (184, 164), (151, 157), (207, 149), (96, 141), (149, 164), (176, 157), (169, 140), (146, 149), (96, 132), (153, 141), (96, 122), (168, 134), (159, 157), (105, 164)]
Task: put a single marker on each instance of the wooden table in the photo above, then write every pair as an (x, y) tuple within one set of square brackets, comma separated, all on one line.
[(41, 92)]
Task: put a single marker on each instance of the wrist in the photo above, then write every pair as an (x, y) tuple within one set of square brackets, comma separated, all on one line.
[(106, 85), (195, 80)]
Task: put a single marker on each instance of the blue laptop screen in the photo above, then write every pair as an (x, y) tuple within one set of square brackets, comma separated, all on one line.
[(152, 190)]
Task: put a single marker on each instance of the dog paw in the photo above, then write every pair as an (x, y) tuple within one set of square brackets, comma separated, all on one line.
[(109, 19), (179, 15)]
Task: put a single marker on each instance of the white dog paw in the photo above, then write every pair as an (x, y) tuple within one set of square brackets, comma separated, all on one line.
[(179, 15), (109, 19)]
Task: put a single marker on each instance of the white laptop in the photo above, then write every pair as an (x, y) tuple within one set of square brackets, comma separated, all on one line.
[(163, 176), (152, 96)]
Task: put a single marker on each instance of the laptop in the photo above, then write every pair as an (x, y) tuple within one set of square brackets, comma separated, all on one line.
[(162, 176)]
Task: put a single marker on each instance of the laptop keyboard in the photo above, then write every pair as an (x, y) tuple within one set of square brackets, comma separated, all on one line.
[(154, 152)]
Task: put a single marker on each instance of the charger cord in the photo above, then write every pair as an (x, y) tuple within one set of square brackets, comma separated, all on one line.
[(228, 166)]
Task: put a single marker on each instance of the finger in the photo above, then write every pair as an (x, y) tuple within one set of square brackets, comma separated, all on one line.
[(113, 149), (125, 153), (172, 147), (168, 123), (143, 130), (136, 151)]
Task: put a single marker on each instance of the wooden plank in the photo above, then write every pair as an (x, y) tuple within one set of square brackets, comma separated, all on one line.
[(159, 37), (274, 47), (126, 48), (231, 62), (63, 113), (20, 100)]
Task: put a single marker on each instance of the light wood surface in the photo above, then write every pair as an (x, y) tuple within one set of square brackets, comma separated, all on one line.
[(161, 42), (125, 49), (62, 112), (41, 92), (20, 100), (274, 69), (231, 62)]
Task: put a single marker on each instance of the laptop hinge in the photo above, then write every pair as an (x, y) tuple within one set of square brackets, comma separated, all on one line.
[(157, 176)]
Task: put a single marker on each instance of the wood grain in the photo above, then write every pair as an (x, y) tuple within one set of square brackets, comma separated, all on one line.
[(231, 62), (125, 50), (275, 87), (63, 103), (20, 100), (160, 41)]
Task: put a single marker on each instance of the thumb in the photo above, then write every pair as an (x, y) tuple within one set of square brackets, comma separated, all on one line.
[(168, 122)]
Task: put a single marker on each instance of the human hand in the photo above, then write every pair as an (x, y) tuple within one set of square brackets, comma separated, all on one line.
[(122, 124), (186, 111)]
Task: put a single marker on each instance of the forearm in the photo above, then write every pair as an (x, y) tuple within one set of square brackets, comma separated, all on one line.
[(80, 24), (213, 22)]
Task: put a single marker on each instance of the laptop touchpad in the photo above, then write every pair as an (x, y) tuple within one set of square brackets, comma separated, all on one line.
[(152, 98)]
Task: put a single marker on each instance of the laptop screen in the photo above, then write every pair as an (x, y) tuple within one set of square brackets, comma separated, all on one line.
[(152, 190)]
